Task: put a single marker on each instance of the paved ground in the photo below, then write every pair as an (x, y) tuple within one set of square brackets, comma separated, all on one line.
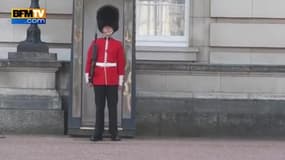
[(70, 148)]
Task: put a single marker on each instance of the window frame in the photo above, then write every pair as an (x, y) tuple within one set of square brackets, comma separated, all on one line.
[(170, 41)]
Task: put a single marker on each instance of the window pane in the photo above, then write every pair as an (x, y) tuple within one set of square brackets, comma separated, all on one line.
[(161, 17)]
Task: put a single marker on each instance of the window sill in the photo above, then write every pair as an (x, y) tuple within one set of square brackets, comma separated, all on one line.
[(166, 53), (162, 42)]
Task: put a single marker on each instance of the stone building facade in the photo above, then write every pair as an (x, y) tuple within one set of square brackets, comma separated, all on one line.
[(226, 78)]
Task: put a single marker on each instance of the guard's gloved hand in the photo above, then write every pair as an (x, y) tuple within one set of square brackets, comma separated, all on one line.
[(87, 80), (121, 80)]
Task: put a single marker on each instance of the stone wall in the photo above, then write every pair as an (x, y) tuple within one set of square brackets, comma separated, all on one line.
[(182, 99), (247, 32)]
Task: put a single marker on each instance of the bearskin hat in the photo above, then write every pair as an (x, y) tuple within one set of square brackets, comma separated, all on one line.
[(108, 16)]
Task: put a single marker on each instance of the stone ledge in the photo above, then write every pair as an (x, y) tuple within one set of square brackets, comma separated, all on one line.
[(186, 66), (166, 49), (167, 53), (42, 64), (213, 95)]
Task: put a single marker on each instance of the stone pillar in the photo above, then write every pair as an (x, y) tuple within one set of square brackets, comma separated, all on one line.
[(29, 101)]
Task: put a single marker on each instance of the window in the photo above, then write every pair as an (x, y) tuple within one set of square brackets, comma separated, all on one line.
[(162, 22)]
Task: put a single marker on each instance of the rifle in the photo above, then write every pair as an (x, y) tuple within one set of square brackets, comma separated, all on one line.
[(93, 61)]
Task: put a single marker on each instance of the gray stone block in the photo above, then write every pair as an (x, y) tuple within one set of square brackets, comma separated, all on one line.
[(5, 64), (29, 99), (32, 56), (17, 121), (29, 102), (210, 117)]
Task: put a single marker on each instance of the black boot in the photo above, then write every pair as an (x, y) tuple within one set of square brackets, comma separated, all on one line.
[(115, 138), (96, 138)]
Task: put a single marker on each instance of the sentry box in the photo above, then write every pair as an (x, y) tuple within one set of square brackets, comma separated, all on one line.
[(81, 111)]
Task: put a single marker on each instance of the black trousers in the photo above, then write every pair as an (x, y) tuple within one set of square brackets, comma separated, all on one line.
[(103, 94)]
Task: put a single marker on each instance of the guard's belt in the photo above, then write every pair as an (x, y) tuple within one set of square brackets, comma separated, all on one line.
[(106, 64)]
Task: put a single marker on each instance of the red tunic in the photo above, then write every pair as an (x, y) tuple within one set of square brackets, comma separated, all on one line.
[(110, 61)]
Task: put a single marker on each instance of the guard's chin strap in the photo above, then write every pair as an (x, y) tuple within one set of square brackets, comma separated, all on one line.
[(107, 36)]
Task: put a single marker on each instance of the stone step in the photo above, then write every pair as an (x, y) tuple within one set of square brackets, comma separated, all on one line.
[(29, 99)]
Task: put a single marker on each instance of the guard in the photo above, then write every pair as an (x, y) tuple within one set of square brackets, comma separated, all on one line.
[(105, 72)]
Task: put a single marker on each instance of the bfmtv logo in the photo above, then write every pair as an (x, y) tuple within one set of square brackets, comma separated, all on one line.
[(28, 16)]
